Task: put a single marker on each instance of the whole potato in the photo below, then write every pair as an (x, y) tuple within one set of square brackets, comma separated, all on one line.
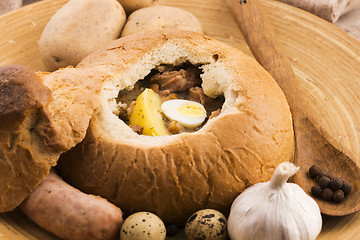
[(79, 28), (132, 5), (161, 17)]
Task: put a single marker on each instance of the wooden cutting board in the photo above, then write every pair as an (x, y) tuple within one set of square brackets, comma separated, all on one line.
[(325, 58)]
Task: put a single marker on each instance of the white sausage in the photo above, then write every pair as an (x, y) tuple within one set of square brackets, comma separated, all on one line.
[(71, 214)]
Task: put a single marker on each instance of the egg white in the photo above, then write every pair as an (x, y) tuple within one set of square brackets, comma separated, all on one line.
[(189, 114)]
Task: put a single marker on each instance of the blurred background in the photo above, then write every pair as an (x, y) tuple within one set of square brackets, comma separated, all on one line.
[(343, 13), (10, 5)]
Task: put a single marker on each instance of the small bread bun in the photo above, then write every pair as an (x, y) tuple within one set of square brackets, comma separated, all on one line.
[(41, 116), (161, 17), (173, 176)]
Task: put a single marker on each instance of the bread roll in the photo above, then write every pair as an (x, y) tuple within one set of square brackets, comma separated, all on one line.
[(77, 29), (161, 17), (41, 116), (173, 176)]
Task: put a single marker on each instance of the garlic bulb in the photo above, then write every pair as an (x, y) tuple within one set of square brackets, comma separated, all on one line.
[(275, 210)]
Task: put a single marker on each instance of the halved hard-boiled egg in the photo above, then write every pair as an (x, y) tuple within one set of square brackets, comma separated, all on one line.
[(188, 113)]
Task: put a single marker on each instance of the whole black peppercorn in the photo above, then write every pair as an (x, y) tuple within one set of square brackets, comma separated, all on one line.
[(338, 196), (316, 191), (346, 188), (327, 194), (324, 181), (314, 171), (336, 183)]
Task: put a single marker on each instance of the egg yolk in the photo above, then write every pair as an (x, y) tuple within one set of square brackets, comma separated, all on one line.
[(191, 111), (187, 113)]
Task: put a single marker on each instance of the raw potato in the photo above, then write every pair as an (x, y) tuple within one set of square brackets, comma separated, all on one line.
[(161, 17), (79, 28), (132, 5)]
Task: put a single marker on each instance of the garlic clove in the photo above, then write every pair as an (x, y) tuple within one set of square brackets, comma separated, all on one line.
[(275, 210)]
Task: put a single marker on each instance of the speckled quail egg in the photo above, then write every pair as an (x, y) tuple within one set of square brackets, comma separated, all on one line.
[(188, 113), (206, 224), (141, 226)]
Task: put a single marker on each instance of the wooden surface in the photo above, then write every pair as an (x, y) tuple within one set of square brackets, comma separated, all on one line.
[(324, 58), (312, 146)]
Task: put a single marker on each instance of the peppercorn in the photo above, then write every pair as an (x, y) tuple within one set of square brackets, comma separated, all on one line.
[(314, 171), (346, 188), (327, 194), (316, 191), (324, 181), (338, 196), (336, 183)]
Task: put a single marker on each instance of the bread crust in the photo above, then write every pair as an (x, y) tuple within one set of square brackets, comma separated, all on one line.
[(41, 116), (22, 101), (174, 176)]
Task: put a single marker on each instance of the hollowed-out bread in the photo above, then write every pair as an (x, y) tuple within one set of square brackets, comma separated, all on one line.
[(173, 176), (41, 116)]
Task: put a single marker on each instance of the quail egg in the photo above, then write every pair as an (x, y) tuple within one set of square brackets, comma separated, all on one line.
[(141, 226), (206, 224), (190, 114)]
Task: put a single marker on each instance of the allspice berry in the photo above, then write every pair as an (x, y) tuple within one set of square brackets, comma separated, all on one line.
[(314, 171), (346, 188), (338, 196), (336, 183), (327, 194), (324, 181), (316, 191), (320, 175), (329, 188)]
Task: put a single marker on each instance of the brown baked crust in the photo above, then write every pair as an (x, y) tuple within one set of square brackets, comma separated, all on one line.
[(41, 116), (74, 92), (22, 101), (188, 172), (21, 92)]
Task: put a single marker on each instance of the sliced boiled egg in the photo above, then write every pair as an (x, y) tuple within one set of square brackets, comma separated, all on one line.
[(190, 114)]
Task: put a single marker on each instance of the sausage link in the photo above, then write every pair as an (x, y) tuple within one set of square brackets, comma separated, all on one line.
[(71, 214)]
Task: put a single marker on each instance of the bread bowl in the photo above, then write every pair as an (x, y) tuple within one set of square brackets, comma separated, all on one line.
[(175, 175)]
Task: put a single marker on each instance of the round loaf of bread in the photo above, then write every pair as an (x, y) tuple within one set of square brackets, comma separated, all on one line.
[(175, 175), (41, 116), (23, 163)]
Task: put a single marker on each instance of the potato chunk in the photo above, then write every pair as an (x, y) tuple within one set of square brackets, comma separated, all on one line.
[(147, 114)]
